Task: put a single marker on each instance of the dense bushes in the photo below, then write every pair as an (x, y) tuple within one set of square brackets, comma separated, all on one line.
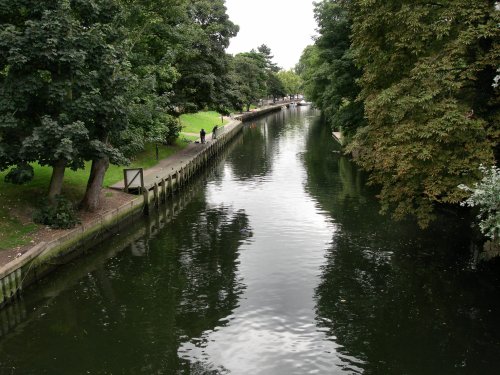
[(58, 215)]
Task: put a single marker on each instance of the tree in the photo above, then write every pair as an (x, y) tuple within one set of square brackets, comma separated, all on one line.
[(251, 77), (96, 80), (486, 196), (309, 69), (266, 52), (111, 92), (328, 70), (200, 56), (152, 38), (291, 81), (42, 57), (64, 86), (429, 103), (275, 87)]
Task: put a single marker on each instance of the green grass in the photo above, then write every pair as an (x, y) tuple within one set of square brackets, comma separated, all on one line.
[(194, 122), (23, 198), (12, 232), (189, 137), (145, 159)]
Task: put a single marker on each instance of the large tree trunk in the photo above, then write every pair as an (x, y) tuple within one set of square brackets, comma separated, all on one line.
[(90, 201), (56, 181)]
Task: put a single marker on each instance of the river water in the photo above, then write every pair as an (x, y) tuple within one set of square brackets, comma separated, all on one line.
[(276, 261)]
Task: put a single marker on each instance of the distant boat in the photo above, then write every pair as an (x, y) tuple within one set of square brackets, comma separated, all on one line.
[(303, 102)]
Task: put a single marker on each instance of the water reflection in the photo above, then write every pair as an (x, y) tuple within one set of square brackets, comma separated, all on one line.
[(130, 314), (254, 157), (277, 262), (398, 299)]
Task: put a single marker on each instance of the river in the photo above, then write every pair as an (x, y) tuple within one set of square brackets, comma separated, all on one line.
[(275, 261)]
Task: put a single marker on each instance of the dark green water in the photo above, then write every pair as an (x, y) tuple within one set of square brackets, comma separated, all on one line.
[(275, 262)]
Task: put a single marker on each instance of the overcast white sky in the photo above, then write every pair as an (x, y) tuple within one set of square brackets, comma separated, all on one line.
[(286, 26)]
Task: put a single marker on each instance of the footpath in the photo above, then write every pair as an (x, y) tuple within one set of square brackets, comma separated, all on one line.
[(176, 161), (56, 247)]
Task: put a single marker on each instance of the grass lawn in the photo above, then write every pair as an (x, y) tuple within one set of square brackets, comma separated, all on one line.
[(189, 137), (12, 232), (194, 122), (19, 200), (145, 159)]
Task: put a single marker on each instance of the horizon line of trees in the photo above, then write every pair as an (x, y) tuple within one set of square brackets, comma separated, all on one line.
[(413, 87)]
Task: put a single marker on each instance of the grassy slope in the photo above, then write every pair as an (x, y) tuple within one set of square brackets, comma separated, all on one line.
[(23, 198), (194, 122)]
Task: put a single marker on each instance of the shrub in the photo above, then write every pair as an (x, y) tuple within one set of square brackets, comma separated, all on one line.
[(172, 132), (19, 175), (60, 215), (485, 195)]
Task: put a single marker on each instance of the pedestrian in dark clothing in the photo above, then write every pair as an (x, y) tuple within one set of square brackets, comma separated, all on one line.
[(214, 131), (202, 135)]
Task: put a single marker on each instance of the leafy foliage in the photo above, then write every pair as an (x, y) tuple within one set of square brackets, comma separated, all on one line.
[(200, 56), (65, 82), (270, 64), (291, 81), (20, 175), (486, 196), (412, 83), (250, 77), (329, 72), (275, 86), (428, 111), (61, 215)]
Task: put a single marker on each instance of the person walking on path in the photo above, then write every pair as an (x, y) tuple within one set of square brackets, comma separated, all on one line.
[(202, 135), (214, 132)]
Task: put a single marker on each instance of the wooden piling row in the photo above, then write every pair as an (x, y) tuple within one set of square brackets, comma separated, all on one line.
[(10, 286), (180, 178)]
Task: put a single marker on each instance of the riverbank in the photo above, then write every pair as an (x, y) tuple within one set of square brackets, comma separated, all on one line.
[(278, 242), (18, 269)]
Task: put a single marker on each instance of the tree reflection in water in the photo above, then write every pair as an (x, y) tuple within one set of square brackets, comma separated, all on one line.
[(399, 300), (131, 313), (261, 142)]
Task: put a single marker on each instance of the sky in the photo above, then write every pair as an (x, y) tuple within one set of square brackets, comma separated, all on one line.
[(284, 26)]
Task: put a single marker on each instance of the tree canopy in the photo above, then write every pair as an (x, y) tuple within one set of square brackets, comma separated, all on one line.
[(329, 72), (411, 84), (93, 81), (255, 76), (292, 83)]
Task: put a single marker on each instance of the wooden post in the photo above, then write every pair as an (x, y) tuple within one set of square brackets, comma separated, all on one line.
[(163, 190), (145, 194), (7, 287), (12, 285), (156, 194), (19, 279), (2, 294)]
